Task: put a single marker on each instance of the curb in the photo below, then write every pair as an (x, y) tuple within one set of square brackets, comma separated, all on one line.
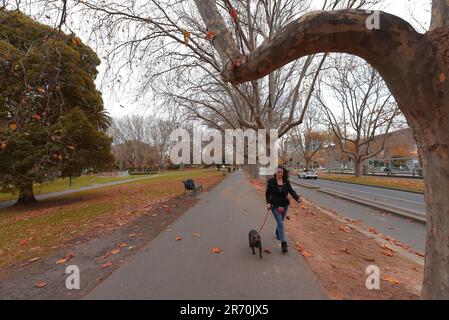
[(305, 185)]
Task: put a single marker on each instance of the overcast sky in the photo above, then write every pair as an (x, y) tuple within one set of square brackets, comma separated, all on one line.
[(417, 12)]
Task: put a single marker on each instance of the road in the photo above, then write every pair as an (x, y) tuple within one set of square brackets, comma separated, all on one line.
[(404, 230), (400, 202), (188, 269)]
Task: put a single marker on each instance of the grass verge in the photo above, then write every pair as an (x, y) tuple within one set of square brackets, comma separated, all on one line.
[(404, 184)]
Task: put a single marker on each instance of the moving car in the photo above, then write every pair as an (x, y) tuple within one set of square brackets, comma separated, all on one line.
[(307, 174)]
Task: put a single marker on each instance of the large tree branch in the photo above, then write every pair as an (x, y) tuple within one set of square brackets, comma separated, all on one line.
[(389, 49), (440, 14)]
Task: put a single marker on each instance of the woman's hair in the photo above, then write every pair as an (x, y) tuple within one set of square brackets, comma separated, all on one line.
[(285, 176)]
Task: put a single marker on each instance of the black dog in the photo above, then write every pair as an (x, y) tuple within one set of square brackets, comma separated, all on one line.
[(255, 242)]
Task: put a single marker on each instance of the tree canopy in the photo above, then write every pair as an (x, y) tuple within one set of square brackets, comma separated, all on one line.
[(52, 119)]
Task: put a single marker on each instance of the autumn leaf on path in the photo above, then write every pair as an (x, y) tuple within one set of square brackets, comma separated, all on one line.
[(196, 235), (267, 250), (178, 238), (67, 257), (106, 265), (24, 242), (115, 251), (61, 261), (217, 250), (40, 284)]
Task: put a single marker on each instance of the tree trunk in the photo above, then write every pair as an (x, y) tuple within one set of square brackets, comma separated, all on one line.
[(434, 150), (26, 195), (357, 168)]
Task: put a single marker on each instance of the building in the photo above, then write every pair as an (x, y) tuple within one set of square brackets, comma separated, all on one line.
[(399, 155)]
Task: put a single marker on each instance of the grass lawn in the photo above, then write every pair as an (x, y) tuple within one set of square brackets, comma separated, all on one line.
[(405, 184), (37, 230), (63, 184)]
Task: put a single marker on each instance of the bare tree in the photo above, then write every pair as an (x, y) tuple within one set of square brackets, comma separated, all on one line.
[(308, 139), (159, 130), (360, 108), (178, 62)]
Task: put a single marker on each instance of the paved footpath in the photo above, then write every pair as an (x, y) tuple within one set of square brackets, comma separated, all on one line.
[(188, 269)]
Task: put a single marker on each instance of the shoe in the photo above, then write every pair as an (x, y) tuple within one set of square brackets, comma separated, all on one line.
[(284, 247), (277, 235)]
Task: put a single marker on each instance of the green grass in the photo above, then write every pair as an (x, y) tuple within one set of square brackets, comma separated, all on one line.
[(64, 184)]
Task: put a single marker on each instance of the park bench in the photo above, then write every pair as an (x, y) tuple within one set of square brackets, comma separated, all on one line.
[(197, 187)]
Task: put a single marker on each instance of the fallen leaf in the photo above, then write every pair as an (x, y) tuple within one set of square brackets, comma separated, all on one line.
[(40, 284), (442, 77), (368, 259), (178, 238), (115, 251), (106, 265), (23, 264), (387, 253), (344, 228), (33, 259), (196, 235), (121, 244), (13, 126), (391, 279), (306, 253), (24, 242), (70, 255), (62, 261), (216, 250), (102, 258), (267, 250)]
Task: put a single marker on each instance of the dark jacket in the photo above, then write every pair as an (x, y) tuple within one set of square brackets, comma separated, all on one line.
[(277, 195)]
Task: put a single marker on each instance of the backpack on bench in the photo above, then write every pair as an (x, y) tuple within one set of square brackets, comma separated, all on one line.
[(190, 185)]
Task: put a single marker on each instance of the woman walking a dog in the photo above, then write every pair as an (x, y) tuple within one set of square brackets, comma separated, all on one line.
[(276, 195)]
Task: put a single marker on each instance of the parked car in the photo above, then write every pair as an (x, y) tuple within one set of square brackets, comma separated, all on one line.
[(307, 174)]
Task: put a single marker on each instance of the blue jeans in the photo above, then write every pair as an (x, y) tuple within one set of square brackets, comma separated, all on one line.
[(279, 217)]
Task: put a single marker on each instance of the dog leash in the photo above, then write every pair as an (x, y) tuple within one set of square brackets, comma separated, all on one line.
[(266, 217)]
